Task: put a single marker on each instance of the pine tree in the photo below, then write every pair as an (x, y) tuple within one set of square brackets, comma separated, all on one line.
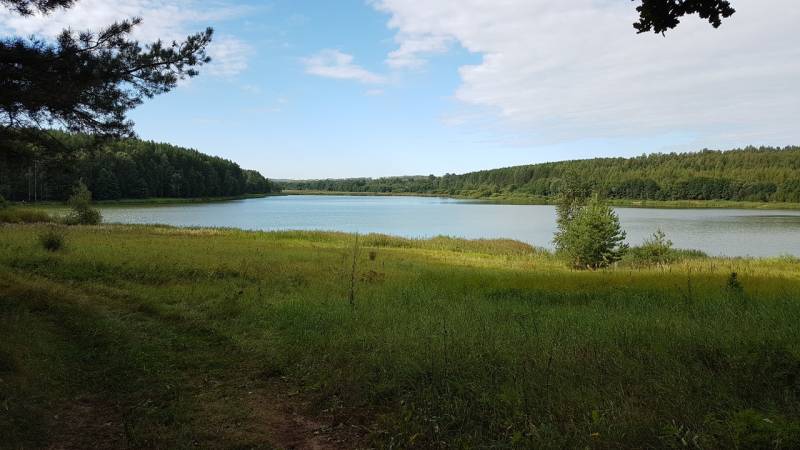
[(85, 81), (591, 237), (106, 187)]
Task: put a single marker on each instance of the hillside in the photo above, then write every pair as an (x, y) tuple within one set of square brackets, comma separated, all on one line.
[(763, 174), (124, 168)]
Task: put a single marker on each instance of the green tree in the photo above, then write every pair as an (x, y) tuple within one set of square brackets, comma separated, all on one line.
[(591, 237), (85, 81), (81, 203), (106, 187), (661, 15), (572, 197), (751, 173)]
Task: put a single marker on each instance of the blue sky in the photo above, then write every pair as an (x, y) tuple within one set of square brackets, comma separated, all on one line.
[(317, 89)]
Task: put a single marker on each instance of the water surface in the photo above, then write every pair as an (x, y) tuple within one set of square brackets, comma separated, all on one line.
[(731, 232)]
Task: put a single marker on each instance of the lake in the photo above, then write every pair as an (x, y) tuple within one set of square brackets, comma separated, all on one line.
[(730, 232)]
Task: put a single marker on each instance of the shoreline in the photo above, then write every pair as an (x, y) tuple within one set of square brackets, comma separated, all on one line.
[(498, 200), (530, 200), (153, 201)]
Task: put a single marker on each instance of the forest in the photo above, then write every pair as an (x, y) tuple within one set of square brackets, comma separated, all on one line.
[(125, 168), (763, 174)]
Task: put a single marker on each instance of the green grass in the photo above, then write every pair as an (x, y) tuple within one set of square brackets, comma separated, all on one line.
[(167, 335), (524, 199), (24, 215)]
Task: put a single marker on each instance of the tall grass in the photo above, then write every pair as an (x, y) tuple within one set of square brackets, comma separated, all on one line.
[(23, 215), (454, 343)]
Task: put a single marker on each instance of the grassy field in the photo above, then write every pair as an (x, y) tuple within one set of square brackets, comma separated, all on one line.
[(522, 199), (145, 336)]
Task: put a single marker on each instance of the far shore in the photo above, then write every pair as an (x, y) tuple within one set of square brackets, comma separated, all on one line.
[(505, 199), (500, 199), (153, 201)]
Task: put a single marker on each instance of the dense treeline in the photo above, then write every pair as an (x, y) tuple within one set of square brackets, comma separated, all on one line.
[(123, 168), (750, 174)]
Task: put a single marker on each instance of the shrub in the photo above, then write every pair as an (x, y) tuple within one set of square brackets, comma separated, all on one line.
[(590, 236), (637, 257), (82, 212), (3, 202), (655, 251), (657, 247), (52, 240)]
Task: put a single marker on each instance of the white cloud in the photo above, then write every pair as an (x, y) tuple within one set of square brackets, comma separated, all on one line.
[(413, 48), (167, 20), (569, 70), (229, 56), (339, 65)]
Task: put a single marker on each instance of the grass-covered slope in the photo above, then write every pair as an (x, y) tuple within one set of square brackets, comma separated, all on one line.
[(161, 337)]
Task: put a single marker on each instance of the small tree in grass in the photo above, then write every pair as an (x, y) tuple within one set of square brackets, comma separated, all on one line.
[(657, 248), (81, 203), (591, 236)]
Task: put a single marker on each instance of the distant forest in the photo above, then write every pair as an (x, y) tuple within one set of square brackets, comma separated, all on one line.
[(761, 174), (121, 168)]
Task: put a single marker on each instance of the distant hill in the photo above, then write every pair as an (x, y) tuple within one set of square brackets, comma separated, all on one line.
[(124, 168), (763, 174)]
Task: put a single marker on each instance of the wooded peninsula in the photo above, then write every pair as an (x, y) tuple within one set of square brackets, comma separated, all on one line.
[(126, 168)]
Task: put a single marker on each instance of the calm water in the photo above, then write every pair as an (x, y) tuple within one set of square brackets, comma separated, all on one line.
[(731, 232)]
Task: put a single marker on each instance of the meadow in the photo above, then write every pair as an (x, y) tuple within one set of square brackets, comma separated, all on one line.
[(152, 336)]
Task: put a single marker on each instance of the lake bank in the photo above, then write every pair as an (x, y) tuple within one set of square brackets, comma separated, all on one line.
[(716, 231), (154, 201), (731, 232), (533, 200), (167, 335)]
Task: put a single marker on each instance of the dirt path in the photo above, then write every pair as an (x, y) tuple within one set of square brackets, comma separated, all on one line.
[(207, 394), (285, 421), (269, 416)]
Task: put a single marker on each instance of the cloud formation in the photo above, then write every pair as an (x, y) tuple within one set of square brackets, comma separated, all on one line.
[(569, 70), (229, 56), (339, 65), (167, 20)]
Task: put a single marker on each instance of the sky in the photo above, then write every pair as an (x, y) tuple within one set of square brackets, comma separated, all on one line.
[(301, 89)]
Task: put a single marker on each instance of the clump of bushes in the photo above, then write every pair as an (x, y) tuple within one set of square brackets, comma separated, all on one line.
[(657, 251), (52, 240), (82, 212)]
